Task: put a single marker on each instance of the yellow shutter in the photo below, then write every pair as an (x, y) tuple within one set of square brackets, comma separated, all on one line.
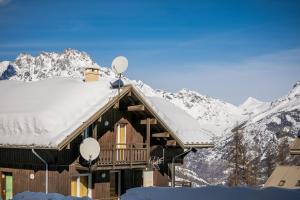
[(122, 136), (83, 186), (74, 186)]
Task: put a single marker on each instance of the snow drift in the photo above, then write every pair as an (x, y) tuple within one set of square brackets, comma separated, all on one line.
[(44, 196), (210, 193)]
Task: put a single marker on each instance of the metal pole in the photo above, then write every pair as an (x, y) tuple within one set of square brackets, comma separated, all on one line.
[(173, 173), (46, 164), (119, 83), (173, 164)]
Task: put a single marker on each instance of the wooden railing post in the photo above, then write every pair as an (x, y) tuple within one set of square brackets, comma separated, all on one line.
[(131, 156), (148, 139), (113, 155)]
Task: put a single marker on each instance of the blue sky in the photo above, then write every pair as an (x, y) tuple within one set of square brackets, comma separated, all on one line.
[(225, 49)]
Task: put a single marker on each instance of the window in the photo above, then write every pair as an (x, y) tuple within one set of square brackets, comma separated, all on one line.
[(298, 183), (281, 183)]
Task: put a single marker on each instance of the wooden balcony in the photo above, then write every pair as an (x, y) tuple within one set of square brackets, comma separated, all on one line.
[(120, 156)]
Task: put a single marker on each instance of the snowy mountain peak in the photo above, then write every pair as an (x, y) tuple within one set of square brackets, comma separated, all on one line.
[(185, 91), (69, 63), (297, 84), (295, 92), (250, 101), (253, 106), (3, 66)]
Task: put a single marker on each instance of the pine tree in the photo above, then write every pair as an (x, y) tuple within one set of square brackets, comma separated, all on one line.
[(237, 159), (255, 162), (253, 169), (283, 151), (270, 161)]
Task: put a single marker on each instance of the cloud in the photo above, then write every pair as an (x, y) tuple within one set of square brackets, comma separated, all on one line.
[(266, 77), (4, 2)]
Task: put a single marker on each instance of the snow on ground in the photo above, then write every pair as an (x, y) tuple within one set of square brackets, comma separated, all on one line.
[(44, 196), (210, 193)]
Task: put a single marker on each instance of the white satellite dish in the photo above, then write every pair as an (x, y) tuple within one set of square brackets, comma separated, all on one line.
[(89, 149), (119, 64)]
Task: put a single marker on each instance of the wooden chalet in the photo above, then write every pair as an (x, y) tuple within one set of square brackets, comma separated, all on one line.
[(138, 137), (285, 177)]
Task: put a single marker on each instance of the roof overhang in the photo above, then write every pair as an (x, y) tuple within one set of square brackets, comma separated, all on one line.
[(295, 147), (199, 145), (27, 147)]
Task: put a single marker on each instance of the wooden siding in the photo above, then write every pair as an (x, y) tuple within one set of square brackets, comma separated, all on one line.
[(160, 179), (101, 186), (29, 172), (58, 181), (107, 134)]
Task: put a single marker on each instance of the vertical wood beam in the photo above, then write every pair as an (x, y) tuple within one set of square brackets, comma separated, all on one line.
[(113, 156), (131, 155), (95, 130), (148, 123)]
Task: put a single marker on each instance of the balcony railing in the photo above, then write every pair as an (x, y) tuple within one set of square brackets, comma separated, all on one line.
[(123, 154)]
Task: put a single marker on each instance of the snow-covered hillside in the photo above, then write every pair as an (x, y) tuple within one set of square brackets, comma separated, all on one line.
[(265, 124), (267, 128), (280, 118), (214, 115)]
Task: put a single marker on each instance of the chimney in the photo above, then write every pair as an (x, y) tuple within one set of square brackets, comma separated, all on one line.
[(91, 74)]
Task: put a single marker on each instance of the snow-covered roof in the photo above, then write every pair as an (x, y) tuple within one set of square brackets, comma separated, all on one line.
[(295, 147), (44, 113)]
